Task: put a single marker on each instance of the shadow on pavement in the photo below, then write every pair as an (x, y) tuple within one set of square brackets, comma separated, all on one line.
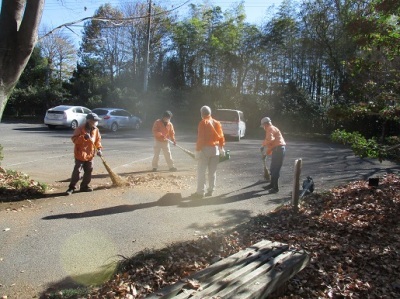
[(172, 199), (123, 174), (81, 281), (168, 199)]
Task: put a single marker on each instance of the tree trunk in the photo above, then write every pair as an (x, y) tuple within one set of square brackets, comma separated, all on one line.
[(19, 22), (3, 99)]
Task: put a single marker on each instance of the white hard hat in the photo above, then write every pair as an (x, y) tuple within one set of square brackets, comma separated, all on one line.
[(265, 120)]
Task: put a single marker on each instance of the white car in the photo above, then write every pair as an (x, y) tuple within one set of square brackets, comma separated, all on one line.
[(232, 121), (116, 118), (66, 116)]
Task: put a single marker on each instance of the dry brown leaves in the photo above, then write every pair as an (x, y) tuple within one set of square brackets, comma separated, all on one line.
[(15, 186), (351, 234), (162, 181)]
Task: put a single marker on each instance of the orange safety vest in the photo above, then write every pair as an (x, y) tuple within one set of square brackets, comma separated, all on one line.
[(84, 150), (209, 133), (160, 131)]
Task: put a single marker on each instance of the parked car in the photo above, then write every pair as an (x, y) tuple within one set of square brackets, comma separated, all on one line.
[(232, 121), (66, 116), (115, 118)]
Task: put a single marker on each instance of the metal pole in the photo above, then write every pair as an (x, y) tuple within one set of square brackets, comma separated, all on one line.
[(146, 66)]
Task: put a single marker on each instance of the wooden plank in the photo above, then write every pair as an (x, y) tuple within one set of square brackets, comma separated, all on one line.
[(267, 252), (234, 279), (215, 282), (184, 294), (172, 290), (247, 282), (267, 284)]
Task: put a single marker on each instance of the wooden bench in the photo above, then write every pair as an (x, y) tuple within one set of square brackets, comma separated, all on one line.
[(255, 272)]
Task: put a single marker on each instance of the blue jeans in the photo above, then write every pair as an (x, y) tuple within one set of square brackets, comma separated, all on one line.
[(278, 153)]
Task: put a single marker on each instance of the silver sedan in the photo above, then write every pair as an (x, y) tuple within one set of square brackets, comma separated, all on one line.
[(115, 118)]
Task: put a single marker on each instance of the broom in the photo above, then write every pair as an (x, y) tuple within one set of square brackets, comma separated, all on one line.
[(191, 154), (267, 175), (115, 178)]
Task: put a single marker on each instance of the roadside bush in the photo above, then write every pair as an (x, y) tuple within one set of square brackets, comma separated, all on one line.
[(362, 147)]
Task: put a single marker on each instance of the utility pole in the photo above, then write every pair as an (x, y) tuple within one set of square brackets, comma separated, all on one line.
[(146, 65)]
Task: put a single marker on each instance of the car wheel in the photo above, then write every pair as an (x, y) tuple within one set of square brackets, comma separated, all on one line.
[(74, 124), (238, 138), (51, 127), (136, 126), (114, 127)]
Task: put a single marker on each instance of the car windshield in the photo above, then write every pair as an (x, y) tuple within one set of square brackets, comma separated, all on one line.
[(226, 115), (61, 108), (100, 111)]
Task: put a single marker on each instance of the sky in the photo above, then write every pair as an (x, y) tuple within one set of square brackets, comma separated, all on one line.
[(58, 12)]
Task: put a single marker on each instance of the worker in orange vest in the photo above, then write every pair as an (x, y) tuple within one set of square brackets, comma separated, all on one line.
[(275, 146), (163, 132), (87, 142), (209, 146)]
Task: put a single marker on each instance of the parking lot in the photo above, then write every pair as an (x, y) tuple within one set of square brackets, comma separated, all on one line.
[(58, 239)]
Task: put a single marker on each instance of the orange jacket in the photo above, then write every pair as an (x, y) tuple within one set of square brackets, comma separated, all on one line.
[(209, 133), (161, 131), (273, 138), (84, 150)]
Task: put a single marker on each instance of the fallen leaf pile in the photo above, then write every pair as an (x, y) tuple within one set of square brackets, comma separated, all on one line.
[(165, 182), (352, 234), (15, 186)]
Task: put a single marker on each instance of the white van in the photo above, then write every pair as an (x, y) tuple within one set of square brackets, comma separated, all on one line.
[(232, 121)]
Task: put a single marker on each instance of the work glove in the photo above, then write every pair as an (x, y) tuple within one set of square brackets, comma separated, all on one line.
[(99, 153), (263, 150), (222, 152), (87, 136), (197, 155)]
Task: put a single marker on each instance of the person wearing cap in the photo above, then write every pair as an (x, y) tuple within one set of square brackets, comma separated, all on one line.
[(209, 146), (163, 132), (274, 145), (87, 142)]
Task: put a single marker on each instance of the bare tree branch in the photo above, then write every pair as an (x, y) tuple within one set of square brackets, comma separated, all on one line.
[(111, 20)]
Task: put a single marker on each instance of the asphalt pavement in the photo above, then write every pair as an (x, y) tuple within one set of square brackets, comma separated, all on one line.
[(58, 241)]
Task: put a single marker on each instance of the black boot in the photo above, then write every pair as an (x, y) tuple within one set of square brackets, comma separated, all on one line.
[(275, 187), (270, 185)]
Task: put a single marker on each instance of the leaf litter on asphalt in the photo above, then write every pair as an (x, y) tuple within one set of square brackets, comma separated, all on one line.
[(351, 232)]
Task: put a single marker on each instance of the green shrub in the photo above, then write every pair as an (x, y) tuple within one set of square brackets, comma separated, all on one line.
[(362, 147), (20, 183), (11, 172)]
